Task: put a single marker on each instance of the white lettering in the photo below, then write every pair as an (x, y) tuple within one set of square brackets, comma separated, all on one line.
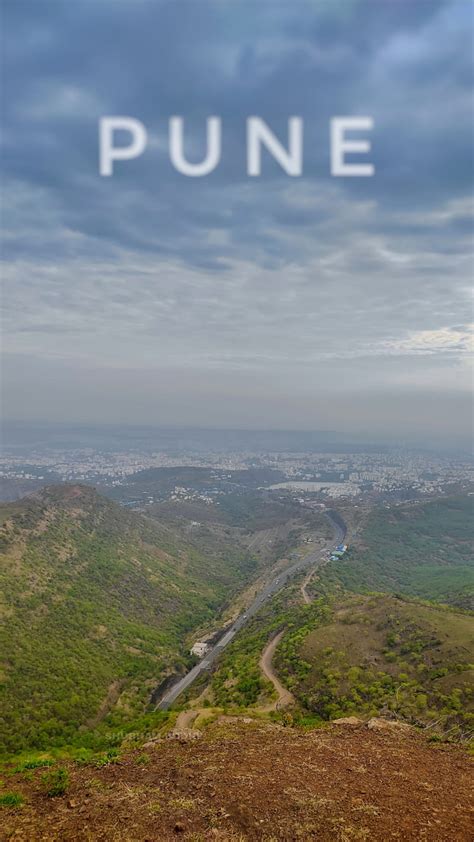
[(108, 153)]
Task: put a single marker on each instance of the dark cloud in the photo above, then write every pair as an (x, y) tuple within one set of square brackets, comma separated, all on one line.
[(269, 275)]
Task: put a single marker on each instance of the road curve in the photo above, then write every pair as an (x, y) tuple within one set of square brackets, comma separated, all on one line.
[(276, 584), (285, 698)]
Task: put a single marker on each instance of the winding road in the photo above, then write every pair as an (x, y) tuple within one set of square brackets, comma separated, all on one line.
[(276, 584), (285, 698)]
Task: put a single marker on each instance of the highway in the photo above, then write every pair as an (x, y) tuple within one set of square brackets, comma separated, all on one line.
[(271, 588)]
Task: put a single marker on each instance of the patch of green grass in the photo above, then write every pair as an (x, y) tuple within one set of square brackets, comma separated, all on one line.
[(55, 783), (34, 763), (423, 550), (11, 799), (107, 759)]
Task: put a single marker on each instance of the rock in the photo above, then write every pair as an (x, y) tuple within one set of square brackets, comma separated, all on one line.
[(184, 736), (347, 720), (72, 804), (152, 743), (378, 724)]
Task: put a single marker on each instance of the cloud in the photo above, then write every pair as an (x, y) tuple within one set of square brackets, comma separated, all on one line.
[(457, 340), (304, 283)]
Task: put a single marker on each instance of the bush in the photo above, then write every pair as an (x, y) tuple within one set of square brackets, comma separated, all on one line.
[(11, 799), (111, 756), (33, 764), (56, 782)]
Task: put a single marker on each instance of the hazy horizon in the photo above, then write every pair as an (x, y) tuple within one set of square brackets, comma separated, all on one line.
[(147, 437)]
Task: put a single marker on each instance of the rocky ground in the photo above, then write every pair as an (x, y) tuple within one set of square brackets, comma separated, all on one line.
[(244, 780)]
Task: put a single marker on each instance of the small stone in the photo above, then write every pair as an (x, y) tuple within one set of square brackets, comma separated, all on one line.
[(378, 724), (152, 743), (347, 720)]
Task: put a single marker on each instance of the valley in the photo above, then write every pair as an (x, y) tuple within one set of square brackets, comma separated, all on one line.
[(101, 603), (269, 589), (311, 659)]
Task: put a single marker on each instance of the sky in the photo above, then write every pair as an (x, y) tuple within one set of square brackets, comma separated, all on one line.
[(277, 302)]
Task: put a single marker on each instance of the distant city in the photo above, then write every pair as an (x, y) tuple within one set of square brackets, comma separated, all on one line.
[(143, 477)]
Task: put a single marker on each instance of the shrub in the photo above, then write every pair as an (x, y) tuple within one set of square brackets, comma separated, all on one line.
[(56, 782), (11, 799), (33, 764), (108, 758)]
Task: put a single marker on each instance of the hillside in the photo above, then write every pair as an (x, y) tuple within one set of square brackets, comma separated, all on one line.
[(383, 654), (96, 601), (424, 550), (240, 781)]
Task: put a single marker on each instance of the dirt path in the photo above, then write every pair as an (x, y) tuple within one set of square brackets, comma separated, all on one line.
[(306, 597), (185, 720), (285, 698)]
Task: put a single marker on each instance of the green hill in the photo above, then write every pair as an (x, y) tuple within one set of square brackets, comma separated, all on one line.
[(424, 550), (383, 654), (96, 602)]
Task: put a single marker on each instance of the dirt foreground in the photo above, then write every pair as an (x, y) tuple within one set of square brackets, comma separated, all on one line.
[(244, 780)]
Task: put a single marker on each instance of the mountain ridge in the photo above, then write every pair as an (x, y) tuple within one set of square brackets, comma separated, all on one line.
[(95, 594)]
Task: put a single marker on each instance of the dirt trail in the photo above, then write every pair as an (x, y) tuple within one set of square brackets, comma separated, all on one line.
[(285, 698), (185, 720), (306, 582)]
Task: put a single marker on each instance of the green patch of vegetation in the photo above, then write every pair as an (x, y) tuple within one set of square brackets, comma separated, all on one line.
[(99, 601), (55, 783), (239, 681), (423, 550), (11, 799), (383, 654), (252, 511), (107, 759), (33, 763)]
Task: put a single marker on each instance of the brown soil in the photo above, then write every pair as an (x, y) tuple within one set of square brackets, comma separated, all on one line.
[(249, 781), (185, 720)]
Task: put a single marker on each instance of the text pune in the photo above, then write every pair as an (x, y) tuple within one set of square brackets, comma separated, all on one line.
[(259, 136)]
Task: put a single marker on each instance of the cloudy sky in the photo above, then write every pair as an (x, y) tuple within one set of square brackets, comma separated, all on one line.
[(275, 302)]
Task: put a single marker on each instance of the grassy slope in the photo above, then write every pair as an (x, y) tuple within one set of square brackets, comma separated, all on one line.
[(383, 653), (96, 603), (403, 546), (423, 550), (238, 680)]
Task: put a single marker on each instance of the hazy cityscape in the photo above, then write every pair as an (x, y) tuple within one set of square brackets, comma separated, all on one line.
[(299, 473)]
